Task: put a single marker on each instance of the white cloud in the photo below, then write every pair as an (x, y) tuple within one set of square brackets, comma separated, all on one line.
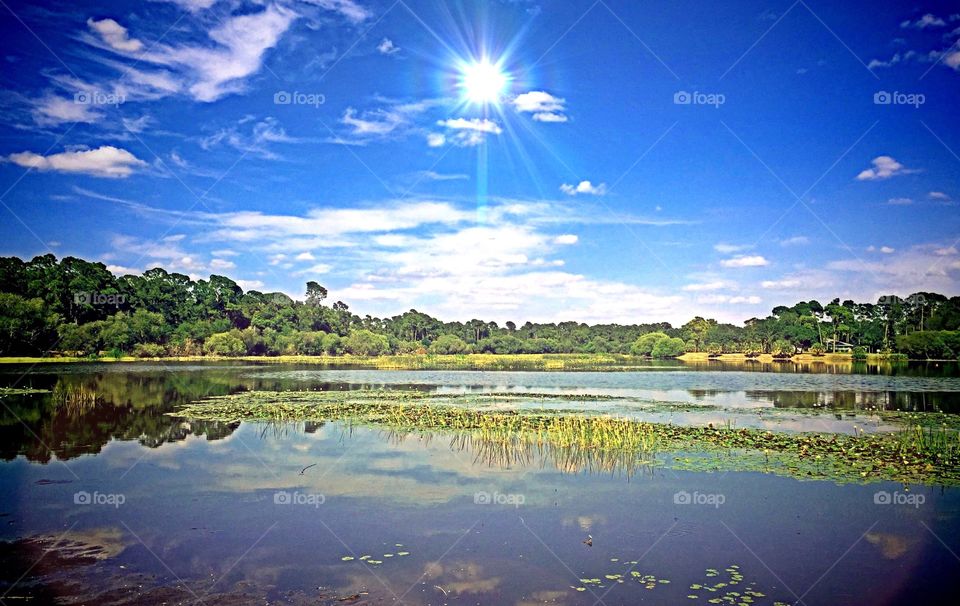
[(376, 122), (257, 141), (795, 241), (218, 264), (707, 286), (883, 249), (333, 222), (745, 261), (549, 117), (121, 270), (544, 106), (205, 72), (394, 119), (884, 167), (353, 11), (115, 35), (952, 59), (387, 47), (784, 284), (435, 176), (900, 201), (922, 267), (482, 125), (730, 248), (105, 161), (194, 6), (584, 187), (136, 125), (305, 256), (431, 255), (318, 269), (928, 20), (938, 195), (467, 133), (52, 110), (436, 140), (248, 285), (729, 300), (242, 40)]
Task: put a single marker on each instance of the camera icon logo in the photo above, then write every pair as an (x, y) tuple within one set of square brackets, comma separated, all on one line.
[(81, 298), (282, 498), (482, 498), (882, 497), (82, 97), (882, 98), (682, 97), (82, 498), (282, 97), (682, 498)]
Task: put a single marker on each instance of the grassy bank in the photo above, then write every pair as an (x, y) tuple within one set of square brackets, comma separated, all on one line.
[(914, 455), (399, 362), (466, 361)]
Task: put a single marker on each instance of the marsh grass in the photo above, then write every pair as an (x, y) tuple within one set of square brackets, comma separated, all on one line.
[(479, 361), (75, 396), (915, 455)]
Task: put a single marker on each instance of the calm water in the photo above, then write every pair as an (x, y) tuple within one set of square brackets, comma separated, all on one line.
[(188, 512)]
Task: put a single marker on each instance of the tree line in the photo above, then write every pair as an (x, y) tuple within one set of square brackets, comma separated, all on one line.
[(72, 306)]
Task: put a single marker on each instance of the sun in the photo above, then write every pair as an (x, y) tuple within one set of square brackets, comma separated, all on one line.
[(483, 82)]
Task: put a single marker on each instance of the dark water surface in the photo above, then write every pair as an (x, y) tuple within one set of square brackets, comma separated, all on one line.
[(117, 500)]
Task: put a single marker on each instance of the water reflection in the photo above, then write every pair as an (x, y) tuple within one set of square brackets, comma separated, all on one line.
[(130, 402), (202, 515)]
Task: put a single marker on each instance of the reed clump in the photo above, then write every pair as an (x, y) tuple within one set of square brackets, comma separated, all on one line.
[(916, 454)]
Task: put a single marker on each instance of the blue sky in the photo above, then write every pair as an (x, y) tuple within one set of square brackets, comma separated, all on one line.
[(642, 163)]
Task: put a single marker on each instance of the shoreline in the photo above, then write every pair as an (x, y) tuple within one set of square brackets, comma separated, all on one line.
[(611, 361)]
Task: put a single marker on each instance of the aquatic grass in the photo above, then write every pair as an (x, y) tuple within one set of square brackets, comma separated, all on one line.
[(75, 395), (915, 455)]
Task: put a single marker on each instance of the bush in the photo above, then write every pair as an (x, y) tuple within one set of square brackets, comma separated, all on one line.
[(449, 344), (407, 347), (366, 343), (752, 350), (148, 350), (714, 349), (930, 344), (859, 354), (500, 344), (188, 347), (817, 349), (783, 349), (332, 345), (306, 343), (644, 344), (224, 344), (668, 347), (536, 346)]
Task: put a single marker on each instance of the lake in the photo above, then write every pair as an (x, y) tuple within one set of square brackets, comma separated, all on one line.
[(115, 501)]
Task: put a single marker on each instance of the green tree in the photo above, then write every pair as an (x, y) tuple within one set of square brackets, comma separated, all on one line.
[(670, 347), (224, 344), (27, 326), (365, 343), (449, 344), (644, 344)]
